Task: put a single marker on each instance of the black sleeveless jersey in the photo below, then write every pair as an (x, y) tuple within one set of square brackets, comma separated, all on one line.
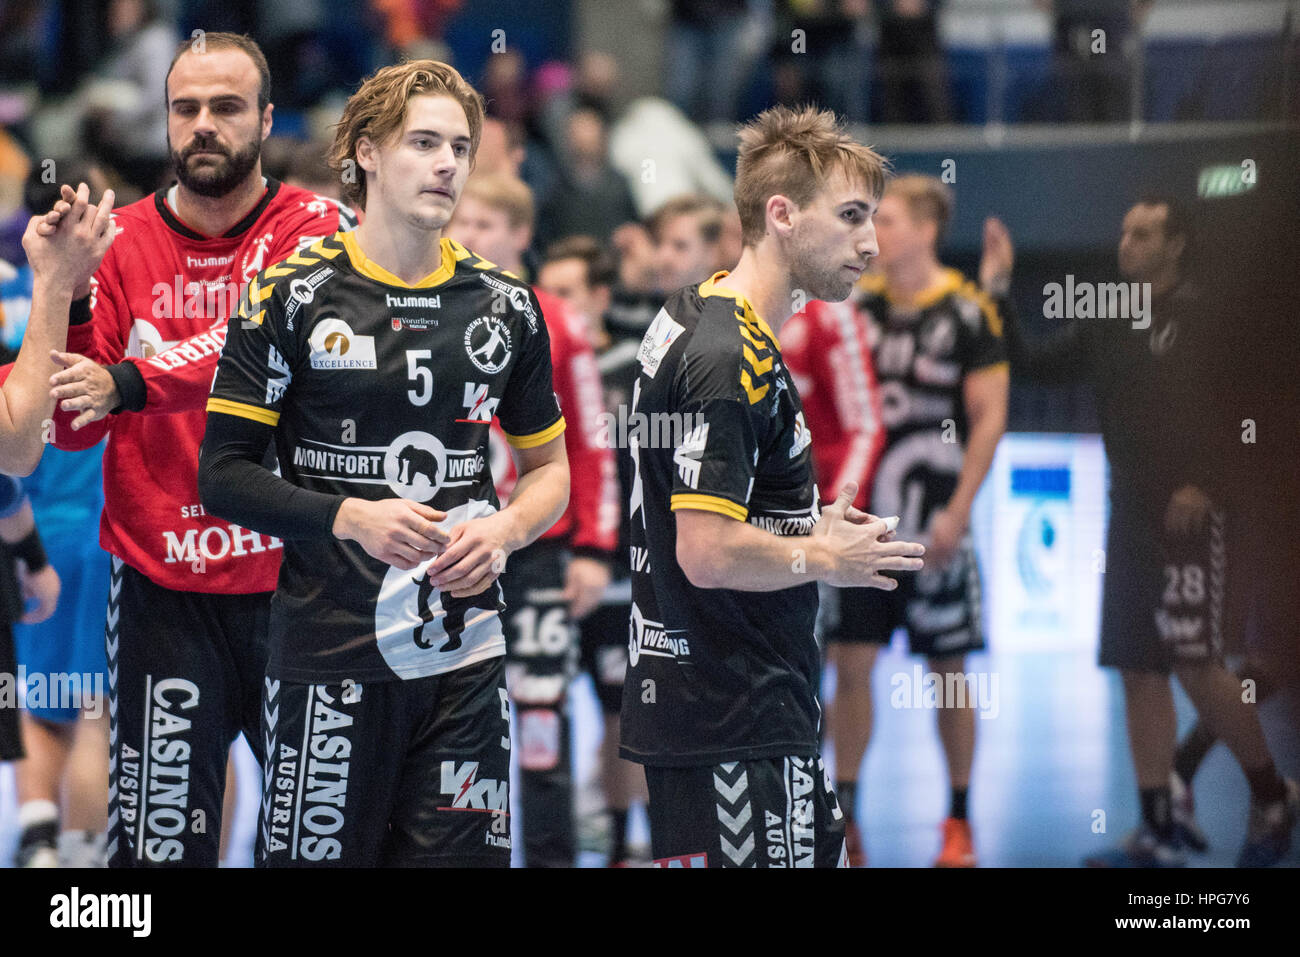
[(715, 674), (378, 389)]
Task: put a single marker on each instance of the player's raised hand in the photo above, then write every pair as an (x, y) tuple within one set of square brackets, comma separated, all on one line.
[(860, 552), (65, 253), (998, 258), (474, 558), (396, 531)]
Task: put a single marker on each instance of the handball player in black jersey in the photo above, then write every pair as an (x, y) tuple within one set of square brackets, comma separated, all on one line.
[(728, 540), (369, 358)]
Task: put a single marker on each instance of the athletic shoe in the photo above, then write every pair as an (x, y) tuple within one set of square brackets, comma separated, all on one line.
[(1183, 810), (853, 845), (82, 849), (1269, 836), (38, 845), (958, 848), (1142, 848)]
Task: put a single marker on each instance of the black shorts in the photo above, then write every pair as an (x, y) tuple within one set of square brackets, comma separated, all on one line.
[(389, 773), (938, 608), (769, 812), (1163, 595), (11, 738), (185, 674), (604, 635)]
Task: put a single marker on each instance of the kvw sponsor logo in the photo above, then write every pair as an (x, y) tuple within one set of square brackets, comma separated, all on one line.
[(468, 792)]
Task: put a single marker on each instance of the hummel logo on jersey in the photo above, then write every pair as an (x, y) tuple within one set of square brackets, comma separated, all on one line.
[(205, 262), (413, 302), (481, 408), (487, 341), (335, 346), (802, 437), (467, 793), (276, 384), (688, 454)]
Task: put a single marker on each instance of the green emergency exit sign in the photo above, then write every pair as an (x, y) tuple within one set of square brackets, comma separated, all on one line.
[(1219, 181)]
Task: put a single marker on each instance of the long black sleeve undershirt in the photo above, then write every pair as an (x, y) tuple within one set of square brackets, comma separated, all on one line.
[(235, 484)]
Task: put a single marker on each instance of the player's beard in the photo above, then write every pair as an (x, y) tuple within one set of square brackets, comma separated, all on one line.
[(816, 273), (217, 180)]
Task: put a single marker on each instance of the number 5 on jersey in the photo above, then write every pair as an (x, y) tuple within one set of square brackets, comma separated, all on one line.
[(421, 375)]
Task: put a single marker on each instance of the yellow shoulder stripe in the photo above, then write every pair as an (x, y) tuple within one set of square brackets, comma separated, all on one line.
[(536, 438), (754, 393), (986, 305), (760, 366), (243, 410), (708, 503), (257, 292)]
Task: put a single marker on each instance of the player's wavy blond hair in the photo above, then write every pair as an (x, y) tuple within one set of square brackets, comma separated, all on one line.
[(791, 153), (378, 111)]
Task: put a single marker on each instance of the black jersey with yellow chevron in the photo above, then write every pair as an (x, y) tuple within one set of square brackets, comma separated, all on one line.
[(380, 389), (714, 674), (923, 347)]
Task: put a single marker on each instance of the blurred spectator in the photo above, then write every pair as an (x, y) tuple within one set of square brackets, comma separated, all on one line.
[(828, 60), (287, 33), (912, 73), (731, 242), (278, 153), (309, 169), (414, 28), (505, 86), (592, 82), (707, 55), (500, 148), (1092, 42), (636, 298), (686, 232), (14, 167), (22, 29), (662, 155), (589, 196), (125, 103)]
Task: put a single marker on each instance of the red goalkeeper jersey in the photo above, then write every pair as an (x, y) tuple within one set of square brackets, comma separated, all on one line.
[(590, 523), (827, 349), (161, 300)]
